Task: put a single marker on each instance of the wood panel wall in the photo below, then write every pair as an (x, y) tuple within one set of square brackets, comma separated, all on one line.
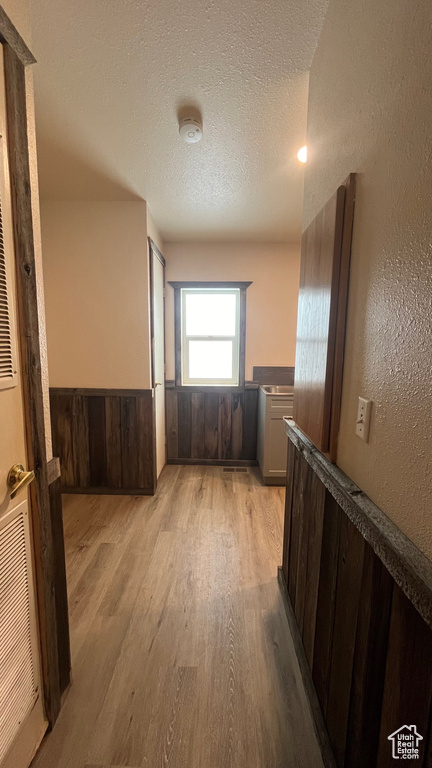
[(368, 649), (105, 440), (322, 306), (212, 425), (273, 374)]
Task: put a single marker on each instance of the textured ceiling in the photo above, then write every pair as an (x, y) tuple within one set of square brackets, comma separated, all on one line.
[(112, 77)]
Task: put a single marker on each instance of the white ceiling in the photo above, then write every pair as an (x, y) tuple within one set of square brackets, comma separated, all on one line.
[(112, 76)]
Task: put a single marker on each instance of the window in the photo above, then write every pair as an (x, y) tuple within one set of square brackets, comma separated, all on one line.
[(210, 333)]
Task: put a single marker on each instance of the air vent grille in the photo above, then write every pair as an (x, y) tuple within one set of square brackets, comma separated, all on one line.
[(7, 368), (17, 677)]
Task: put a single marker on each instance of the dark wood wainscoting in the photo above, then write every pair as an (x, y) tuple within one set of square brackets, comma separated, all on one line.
[(105, 440), (274, 374), (361, 594), (211, 424)]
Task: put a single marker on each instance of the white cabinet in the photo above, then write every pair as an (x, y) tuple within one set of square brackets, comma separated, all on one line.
[(272, 439)]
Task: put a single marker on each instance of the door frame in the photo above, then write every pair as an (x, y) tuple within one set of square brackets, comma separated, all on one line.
[(154, 252), (17, 57)]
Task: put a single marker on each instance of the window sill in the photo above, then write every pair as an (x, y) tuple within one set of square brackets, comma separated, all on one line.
[(200, 388)]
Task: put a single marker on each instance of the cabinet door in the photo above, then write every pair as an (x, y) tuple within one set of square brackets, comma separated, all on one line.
[(276, 440), (324, 273)]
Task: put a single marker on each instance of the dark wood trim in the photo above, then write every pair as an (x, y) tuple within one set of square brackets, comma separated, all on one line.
[(214, 462), (178, 285), (177, 336), (104, 491), (46, 559), (341, 315), (242, 339), (156, 252), (314, 706), (53, 469), (410, 568), (221, 390), (86, 392), (273, 374), (10, 36)]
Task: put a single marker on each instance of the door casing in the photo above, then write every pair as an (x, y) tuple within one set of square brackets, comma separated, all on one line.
[(154, 253), (17, 57)]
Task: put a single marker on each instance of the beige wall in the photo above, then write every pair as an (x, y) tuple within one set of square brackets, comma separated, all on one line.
[(370, 111), (96, 288), (153, 232), (271, 313)]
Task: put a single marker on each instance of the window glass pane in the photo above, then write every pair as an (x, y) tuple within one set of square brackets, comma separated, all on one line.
[(210, 359), (210, 314)]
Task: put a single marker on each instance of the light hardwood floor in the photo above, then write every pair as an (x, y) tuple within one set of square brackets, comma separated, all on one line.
[(181, 652)]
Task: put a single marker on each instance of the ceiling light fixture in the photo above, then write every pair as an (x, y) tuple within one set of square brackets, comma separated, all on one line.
[(190, 129), (302, 154)]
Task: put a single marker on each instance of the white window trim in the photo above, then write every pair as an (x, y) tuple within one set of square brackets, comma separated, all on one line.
[(188, 382)]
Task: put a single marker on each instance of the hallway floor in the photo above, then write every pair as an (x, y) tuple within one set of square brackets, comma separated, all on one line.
[(181, 653)]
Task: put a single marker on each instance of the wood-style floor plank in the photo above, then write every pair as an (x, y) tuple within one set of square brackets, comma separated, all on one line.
[(182, 656)]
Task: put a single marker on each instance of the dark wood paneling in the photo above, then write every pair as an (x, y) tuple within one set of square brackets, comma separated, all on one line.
[(129, 443), (315, 508), (105, 442), (146, 444), (370, 654), (350, 567), (300, 539), (224, 427), (211, 424), (250, 425), (408, 678), (184, 405), (236, 426), (369, 641), (326, 600), (113, 441), (291, 457), (273, 374), (197, 425)]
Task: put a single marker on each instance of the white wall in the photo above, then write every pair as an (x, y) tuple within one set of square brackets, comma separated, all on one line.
[(271, 301), (96, 288), (370, 111)]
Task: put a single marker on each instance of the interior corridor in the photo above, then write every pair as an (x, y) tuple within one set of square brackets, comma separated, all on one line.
[(181, 652)]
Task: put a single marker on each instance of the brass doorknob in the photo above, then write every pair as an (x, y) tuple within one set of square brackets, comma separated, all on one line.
[(18, 478)]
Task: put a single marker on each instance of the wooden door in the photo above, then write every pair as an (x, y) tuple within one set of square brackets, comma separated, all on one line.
[(157, 288), (324, 275), (22, 720)]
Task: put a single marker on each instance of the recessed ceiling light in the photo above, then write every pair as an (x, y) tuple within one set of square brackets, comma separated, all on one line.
[(302, 154)]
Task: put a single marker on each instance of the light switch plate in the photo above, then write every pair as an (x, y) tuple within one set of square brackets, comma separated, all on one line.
[(363, 418)]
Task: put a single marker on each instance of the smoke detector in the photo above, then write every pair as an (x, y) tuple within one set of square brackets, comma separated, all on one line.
[(190, 130)]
